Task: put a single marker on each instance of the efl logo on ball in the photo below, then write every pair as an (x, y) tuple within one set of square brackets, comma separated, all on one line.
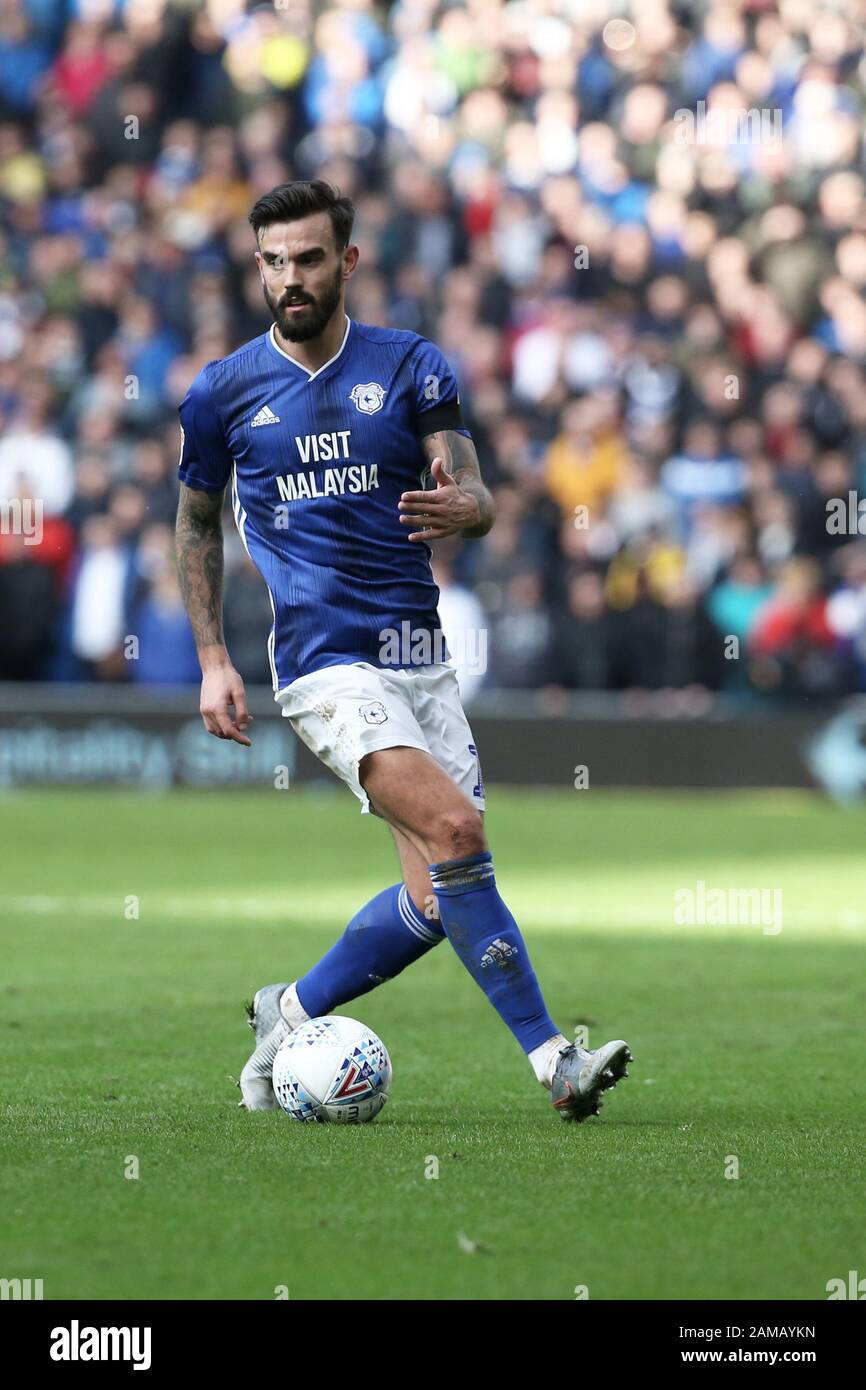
[(332, 1069)]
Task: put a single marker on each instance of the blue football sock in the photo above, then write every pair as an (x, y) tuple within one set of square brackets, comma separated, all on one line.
[(488, 941), (380, 941)]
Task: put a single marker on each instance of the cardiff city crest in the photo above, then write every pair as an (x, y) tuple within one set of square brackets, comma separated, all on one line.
[(368, 397), (373, 712)]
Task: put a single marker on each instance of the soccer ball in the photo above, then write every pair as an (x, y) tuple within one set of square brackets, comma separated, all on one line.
[(332, 1069)]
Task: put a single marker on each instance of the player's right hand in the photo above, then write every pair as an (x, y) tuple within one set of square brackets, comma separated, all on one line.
[(223, 704)]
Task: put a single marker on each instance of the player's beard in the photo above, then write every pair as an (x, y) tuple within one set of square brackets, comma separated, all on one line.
[(310, 322)]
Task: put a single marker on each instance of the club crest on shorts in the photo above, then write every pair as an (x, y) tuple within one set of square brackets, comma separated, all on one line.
[(373, 712), (368, 397)]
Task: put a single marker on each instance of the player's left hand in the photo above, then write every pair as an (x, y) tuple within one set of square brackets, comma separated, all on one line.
[(445, 512)]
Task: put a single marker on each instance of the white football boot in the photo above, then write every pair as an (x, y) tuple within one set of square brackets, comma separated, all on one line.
[(270, 1028), (580, 1078)]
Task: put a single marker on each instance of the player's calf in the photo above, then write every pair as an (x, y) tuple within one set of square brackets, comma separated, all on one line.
[(387, 934)]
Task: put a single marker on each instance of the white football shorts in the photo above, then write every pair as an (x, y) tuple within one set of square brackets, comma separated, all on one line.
[(344, 712)]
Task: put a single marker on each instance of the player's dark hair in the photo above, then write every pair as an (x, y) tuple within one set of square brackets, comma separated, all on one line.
[(290, 201)]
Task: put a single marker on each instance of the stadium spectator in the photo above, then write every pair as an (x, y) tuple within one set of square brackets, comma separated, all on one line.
[(655, 310), (795, 648)]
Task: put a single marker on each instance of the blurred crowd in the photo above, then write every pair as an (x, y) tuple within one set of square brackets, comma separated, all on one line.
[(653, 302)]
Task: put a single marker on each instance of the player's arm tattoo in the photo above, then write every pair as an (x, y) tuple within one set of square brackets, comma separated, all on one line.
[(199, 551), (461, 461)]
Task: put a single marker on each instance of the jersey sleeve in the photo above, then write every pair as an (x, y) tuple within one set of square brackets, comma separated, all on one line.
[(205, 460), (437, 404)]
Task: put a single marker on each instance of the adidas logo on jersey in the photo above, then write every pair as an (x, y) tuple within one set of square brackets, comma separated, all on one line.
[(265, 417)]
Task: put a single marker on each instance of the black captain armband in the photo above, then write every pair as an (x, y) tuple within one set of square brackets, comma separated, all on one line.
[(445, 416)]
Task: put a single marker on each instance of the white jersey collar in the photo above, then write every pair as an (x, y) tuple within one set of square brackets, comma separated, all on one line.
[(311, 376)]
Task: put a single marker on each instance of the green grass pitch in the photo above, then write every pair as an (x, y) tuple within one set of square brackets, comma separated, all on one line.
[(120, 1033)]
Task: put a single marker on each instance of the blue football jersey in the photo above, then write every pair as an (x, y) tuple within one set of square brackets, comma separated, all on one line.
[(317, 462)]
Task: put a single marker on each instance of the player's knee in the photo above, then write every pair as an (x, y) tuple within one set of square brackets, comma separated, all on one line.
[(457, 832)]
